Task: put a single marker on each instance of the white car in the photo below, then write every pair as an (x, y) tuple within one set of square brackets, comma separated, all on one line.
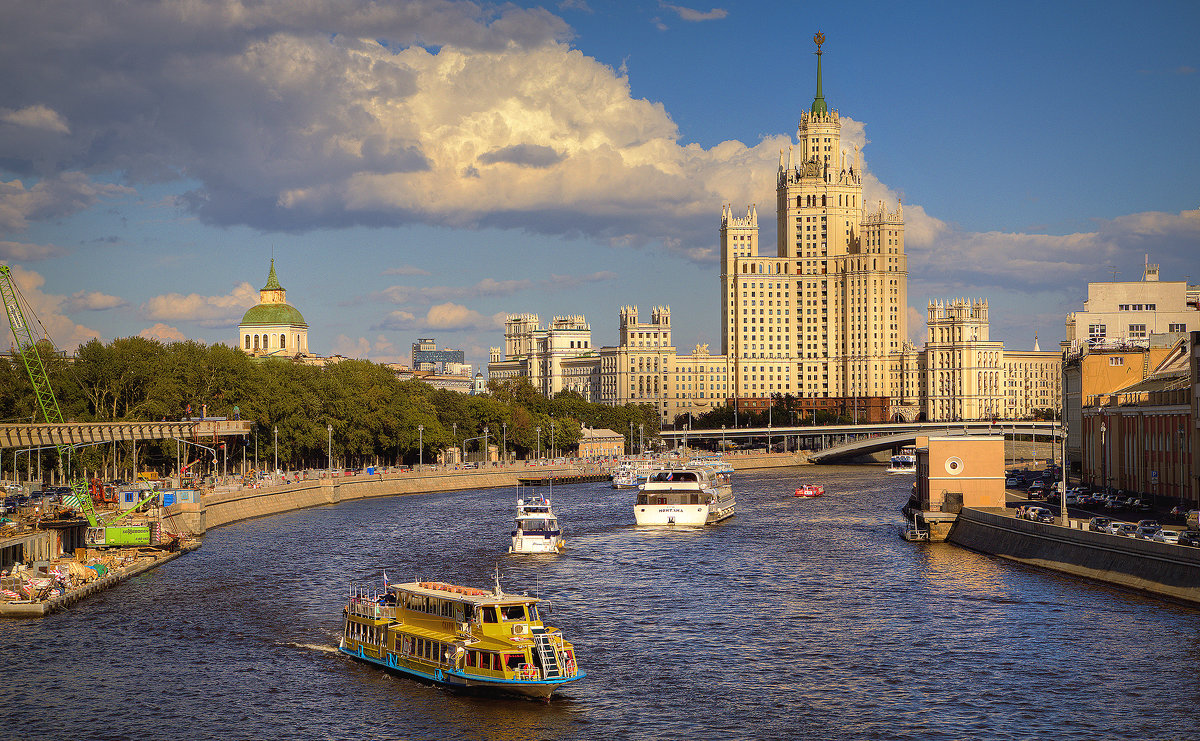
[(1167, 536)]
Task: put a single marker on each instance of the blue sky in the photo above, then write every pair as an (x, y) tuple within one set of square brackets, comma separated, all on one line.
[(420, 169)]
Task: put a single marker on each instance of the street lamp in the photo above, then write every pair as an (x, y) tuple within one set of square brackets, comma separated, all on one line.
[(722, 439), (329, 445), (420, 446), (641, 439), (504, 441), (1103, 459), (631, 437), (276, 471), (552, 440), (1066, 516), (485, 450), (454, 428), (539, 442)]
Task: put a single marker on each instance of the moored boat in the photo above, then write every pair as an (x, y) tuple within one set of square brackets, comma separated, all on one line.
[(684, 495), (537, 527), (903, 463), (459, 637), (809, 491)]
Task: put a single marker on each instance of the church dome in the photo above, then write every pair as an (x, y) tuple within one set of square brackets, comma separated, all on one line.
[(273, 314)]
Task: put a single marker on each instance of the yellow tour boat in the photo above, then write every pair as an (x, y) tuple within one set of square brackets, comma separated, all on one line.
[(459, 637)]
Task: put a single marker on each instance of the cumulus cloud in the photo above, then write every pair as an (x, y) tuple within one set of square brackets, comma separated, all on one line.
[(688, 14), (447, 317), (379, 350), (49, 311), (163, 332), (54, 197), (405, 295), (207, 311), (35, 117), (94, 301), (27, 252)]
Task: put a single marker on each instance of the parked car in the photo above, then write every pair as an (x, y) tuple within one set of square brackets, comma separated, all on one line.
[(1126, 529), (1039, 514), (1149, 523), (1012, 483), (1146, 532), (1114, 526), (1098, 524), (1167, 536), (1189, 537)]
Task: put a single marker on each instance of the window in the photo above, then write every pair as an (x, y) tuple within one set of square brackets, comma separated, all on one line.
[(1151, 307), (1123, 307), (1177, 328), (1137, 330), (1116, 361)]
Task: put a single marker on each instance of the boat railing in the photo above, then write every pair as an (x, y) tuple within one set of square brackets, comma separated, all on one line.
[(367, 608)]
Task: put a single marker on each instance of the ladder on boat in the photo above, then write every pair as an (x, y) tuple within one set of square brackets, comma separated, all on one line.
[(548, 656)]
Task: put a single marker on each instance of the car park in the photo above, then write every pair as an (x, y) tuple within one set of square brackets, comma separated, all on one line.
[(1098, 524), (1189, 537), (1167, 536)]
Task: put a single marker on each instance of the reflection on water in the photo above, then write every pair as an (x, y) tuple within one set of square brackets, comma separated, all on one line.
[(797, 618)]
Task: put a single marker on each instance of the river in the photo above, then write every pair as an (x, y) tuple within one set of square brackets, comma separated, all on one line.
[(798, 618)]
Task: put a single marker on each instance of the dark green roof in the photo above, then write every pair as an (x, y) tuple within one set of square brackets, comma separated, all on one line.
[(818, 107), (274, 314), (272, 281)]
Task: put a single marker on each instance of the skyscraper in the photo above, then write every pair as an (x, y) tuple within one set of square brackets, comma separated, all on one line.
[(826, 316)]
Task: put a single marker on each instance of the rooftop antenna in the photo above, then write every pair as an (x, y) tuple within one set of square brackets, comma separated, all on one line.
[(1113, 268)]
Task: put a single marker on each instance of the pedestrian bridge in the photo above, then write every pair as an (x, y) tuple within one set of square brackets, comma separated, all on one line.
[(874, 442), (91, 433)]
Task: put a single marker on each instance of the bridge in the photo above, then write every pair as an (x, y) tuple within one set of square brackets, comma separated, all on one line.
[(90, 433), (834, 443)]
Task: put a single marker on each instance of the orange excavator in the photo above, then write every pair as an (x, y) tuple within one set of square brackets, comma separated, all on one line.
[(102, 493)]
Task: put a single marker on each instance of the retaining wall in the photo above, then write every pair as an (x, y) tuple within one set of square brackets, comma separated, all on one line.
[(1145, 565)]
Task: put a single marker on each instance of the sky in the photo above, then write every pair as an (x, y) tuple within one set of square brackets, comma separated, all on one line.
[(424, 168)]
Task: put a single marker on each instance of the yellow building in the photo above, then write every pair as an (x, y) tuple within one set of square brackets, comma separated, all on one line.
[(273, 326)]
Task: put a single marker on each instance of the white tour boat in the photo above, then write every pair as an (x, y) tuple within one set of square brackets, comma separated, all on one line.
[(537, 527), (633, 473), (903, 463), (684, 495)]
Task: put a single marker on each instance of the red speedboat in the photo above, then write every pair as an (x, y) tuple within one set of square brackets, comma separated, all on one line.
[(808, 491)]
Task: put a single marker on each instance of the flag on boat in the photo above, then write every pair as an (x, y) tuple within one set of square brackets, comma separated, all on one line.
[(385, 582)]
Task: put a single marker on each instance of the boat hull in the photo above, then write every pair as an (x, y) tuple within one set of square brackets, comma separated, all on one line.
[(528, 544), (694, 515), (533, 689)]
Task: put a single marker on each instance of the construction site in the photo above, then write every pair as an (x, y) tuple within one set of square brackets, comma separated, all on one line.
[(65, 534)]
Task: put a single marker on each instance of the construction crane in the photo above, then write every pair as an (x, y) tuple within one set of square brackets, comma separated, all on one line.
[(26, 348)]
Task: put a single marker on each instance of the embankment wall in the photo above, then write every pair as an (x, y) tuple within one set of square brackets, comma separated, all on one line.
[(223, 508), (1144, 565)]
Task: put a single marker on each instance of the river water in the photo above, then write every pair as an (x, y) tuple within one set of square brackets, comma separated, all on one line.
[(795, 619)]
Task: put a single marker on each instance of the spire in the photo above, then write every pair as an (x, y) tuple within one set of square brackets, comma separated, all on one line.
[(1036, 348), (818, 106), (272, 281)]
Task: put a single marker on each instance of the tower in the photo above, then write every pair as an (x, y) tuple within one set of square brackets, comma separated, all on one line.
[(273, 326)]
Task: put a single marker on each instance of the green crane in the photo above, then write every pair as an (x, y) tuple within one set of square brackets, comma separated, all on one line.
[(27, 349)]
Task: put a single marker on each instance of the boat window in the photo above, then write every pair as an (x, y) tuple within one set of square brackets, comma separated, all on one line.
[(533, 613), (489, 614), (513, 661), (496, 666), (513, 612)]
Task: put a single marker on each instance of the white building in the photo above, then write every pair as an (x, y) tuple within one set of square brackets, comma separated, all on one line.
[(1120, 314), (273, 327)]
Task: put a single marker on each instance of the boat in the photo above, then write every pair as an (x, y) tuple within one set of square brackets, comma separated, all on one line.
[(537, 527), (684, 495), (720, 463), (459, 637), (633, 473), (903, 463), (810, 491)]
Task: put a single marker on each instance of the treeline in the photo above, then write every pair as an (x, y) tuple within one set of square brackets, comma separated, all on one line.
[(375, 418)]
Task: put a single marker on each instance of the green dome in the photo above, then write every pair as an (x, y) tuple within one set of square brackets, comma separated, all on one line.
[(274, 314)]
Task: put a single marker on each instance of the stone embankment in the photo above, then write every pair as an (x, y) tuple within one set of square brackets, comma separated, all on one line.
[(1161, 569), (223, 508)]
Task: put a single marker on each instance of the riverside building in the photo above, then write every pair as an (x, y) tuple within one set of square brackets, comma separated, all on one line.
[(824, 319)]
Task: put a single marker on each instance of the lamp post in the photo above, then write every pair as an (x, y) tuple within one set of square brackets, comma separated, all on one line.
[(722, 439), (276, 471), (420, 446), (641, 439), (539, 442), (454, 428), (329, 445), (631, 437), (485, 450), (1066, 516), (1182, 478), (504, 441), (1103, 459), (552, 440)]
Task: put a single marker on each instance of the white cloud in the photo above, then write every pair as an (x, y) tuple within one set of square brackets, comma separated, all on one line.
[(688, 14), (48, 311), (35, 117), (28, 252), (380, 350), (488, 287), (208, 311), (163, 332), (53, 197), (94, 301), (445, 317)]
